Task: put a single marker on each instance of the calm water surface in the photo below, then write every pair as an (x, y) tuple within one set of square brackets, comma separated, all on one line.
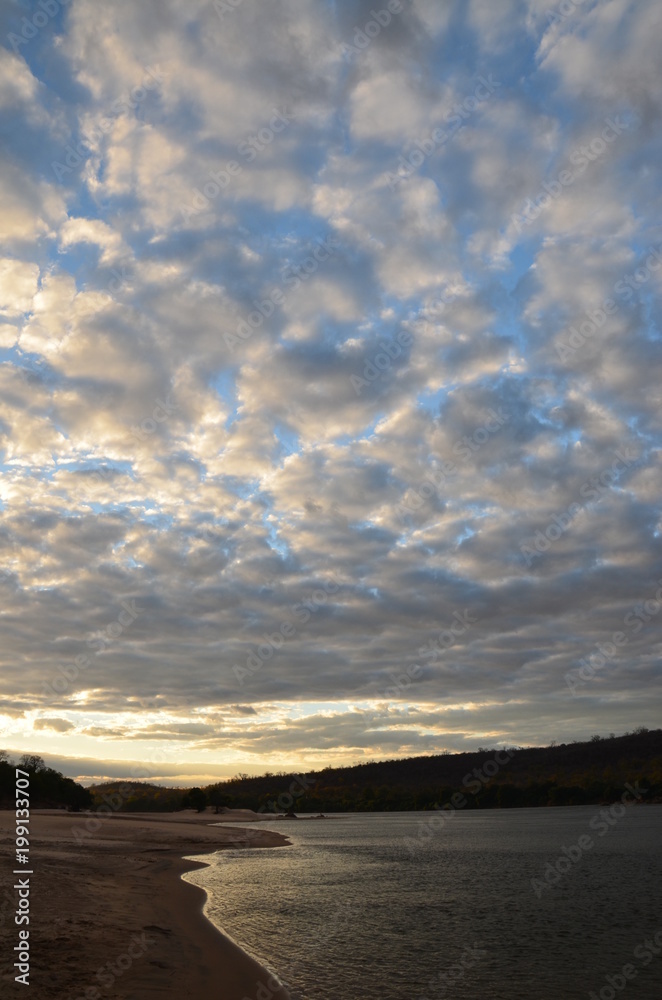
[(374, 906)]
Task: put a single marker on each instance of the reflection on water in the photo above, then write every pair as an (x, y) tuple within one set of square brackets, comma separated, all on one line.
[(363, 906)]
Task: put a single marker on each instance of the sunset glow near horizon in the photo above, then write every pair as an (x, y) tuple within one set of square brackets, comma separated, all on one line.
[(330, 380)]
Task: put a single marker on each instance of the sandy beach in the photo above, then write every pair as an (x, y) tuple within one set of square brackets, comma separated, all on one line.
[(110, 915)]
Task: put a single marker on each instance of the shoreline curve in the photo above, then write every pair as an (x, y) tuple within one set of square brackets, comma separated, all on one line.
[(111, 914)]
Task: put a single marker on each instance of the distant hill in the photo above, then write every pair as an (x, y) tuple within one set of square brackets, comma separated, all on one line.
[(139, 796), (569, 774), (595, 771)]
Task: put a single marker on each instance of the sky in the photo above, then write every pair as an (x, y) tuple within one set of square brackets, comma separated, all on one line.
[(330, 380)]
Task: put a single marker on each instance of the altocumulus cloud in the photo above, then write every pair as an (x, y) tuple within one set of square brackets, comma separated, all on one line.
[(266, 476)]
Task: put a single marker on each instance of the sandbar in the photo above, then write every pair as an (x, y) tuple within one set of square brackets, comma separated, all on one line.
[(110, 915)]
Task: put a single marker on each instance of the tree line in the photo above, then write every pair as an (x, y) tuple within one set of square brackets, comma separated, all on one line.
[(580, 773), (49, 789)]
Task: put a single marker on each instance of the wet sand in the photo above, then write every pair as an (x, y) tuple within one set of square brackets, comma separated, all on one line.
[(110, 915)]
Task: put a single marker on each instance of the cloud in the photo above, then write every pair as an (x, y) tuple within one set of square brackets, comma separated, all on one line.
[(201, 419), (97, 233), (56, 725), (18, 286)]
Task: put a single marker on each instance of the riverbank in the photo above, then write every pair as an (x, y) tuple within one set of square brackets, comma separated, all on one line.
[(111, 916)]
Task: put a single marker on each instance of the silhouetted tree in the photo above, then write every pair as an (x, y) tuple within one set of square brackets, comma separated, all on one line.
[(216, 797), (197, 799), (32, 762)]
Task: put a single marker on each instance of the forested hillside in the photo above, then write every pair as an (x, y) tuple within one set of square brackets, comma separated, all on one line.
[(48, 788), (595, 771), (569, 774)]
